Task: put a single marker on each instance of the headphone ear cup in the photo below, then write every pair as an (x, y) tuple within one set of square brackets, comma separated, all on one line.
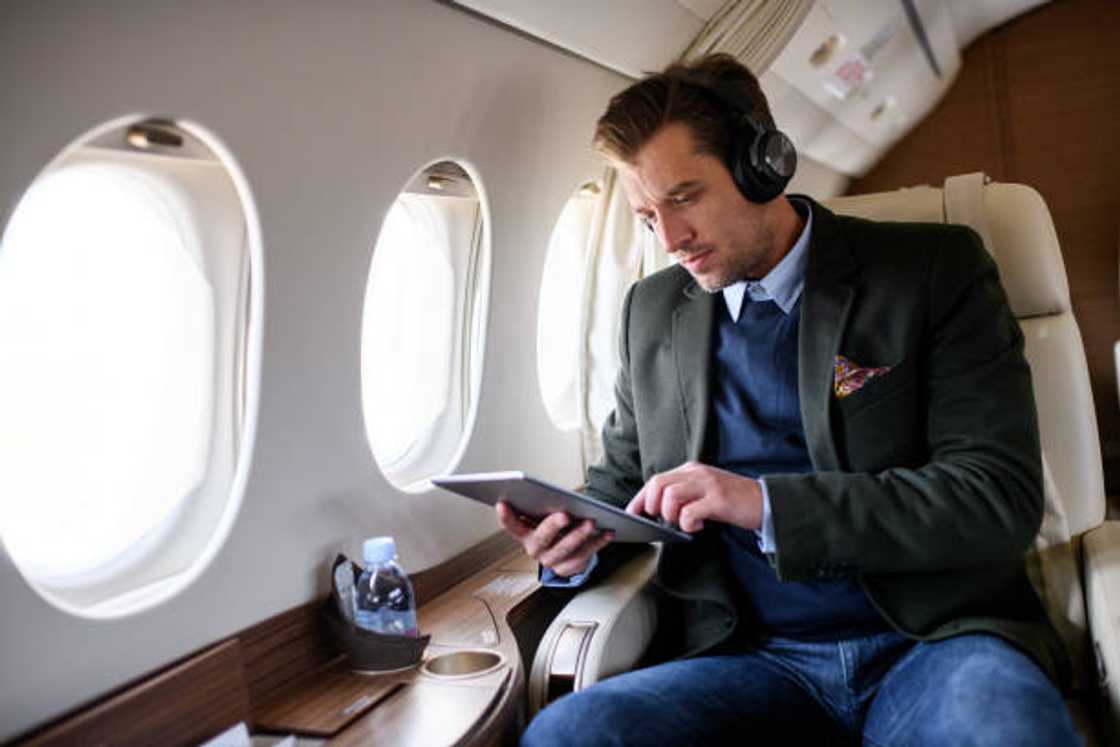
[(752, 163), (739, 164), (773, 161)]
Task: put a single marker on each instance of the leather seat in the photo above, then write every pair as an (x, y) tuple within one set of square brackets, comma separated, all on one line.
[(1075, 564)]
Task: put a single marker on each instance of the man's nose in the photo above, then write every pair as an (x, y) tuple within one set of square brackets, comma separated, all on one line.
[(675, 234)]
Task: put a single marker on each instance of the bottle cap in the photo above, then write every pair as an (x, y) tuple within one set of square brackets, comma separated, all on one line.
[(379, 550)]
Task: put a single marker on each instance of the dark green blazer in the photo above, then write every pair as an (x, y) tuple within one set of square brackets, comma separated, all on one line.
[(927, 481)]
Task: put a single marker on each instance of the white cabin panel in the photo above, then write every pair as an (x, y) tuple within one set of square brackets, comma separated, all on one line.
[(328, 109)]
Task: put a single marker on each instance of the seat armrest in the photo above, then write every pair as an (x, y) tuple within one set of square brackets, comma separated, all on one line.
[(602, 631), (1101, 549)]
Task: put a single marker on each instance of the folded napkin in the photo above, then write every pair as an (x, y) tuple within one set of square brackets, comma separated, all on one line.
[(849, 377)]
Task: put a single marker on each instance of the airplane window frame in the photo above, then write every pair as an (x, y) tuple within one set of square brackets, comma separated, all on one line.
[(202, 180), (440, 445)]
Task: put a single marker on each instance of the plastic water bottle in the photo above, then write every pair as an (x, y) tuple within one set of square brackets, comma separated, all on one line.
[(385, 603)]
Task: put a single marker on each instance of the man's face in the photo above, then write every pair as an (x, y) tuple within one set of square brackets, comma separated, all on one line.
[(689, 200)]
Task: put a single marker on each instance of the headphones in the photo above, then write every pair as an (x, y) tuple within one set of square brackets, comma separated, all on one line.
[(761, 160)]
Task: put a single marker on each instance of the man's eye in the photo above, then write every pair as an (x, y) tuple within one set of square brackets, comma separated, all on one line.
[(647, 221), (682, 199)]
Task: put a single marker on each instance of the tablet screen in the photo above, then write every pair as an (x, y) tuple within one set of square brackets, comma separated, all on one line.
[(536, 499)]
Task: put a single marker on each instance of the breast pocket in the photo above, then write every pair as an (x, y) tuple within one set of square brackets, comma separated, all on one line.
[(882, 425)]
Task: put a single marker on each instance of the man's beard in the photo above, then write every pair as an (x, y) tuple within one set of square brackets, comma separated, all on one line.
[(735, 267), (721, 277)]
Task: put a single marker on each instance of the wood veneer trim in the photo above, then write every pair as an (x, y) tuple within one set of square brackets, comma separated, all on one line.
[(325, 704), (281, 649), (226, 682), (432, 582), (184, 705), (1005, 127)]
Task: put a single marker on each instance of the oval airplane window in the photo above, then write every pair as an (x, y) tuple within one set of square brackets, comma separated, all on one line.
[(125, 338), (422, 325), (562, 306)]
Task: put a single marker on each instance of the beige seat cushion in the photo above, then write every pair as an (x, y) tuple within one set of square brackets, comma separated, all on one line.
[(1055, 571)]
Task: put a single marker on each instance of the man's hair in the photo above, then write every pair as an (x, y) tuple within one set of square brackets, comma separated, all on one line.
[(636, 114)]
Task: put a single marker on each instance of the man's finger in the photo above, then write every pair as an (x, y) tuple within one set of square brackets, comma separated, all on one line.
[(676, 497), (543, 537), (693, 515), (651, 495), (637, 504), (578, 562), (657, 485), (509, 521), (569, 544), (648, 500)]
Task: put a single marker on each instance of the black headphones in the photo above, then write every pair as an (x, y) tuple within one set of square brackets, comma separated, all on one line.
[(761, 160)]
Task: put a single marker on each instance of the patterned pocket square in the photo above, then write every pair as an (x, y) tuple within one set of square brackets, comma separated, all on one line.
[(849, 378)]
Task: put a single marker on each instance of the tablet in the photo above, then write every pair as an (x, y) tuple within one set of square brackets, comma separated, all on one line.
[(536, 499)]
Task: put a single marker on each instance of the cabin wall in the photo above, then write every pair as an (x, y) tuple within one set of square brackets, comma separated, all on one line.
[(329, 108), (1037, 101)]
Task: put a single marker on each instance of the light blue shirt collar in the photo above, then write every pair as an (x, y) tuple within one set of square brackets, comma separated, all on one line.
[(783, 284)]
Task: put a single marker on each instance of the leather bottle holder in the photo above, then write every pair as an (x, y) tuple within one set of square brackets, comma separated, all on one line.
[(366, 650)]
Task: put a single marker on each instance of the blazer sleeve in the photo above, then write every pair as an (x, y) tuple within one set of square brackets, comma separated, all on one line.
[(618, 477), (977, 498)]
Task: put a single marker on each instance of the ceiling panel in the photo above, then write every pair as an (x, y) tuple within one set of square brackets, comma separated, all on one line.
[(630, 36), (703, 9), (845, 109)]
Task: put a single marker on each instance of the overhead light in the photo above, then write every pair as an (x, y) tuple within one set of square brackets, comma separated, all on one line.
[(886, 105), (589, 189), (824, 52), (150, 134), (445, 177)]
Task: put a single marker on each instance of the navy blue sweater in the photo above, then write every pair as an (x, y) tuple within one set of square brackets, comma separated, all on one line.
[(755, 430)]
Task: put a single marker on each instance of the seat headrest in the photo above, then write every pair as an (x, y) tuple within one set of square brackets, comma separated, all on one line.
[(1013, 220)]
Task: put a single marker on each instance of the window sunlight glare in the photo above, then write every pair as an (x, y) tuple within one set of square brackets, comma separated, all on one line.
[(106, 369), (408, 328)]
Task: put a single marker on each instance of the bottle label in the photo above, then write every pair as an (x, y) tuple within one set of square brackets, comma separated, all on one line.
[(385, 602), (387, 621)]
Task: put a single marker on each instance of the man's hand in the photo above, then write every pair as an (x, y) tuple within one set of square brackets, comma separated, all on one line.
[(565, 553), (692, 493)]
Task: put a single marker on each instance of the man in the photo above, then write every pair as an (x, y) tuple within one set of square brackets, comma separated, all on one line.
[(841, 413)]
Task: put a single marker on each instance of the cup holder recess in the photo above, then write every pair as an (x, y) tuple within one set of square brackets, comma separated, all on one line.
[(469, 663)]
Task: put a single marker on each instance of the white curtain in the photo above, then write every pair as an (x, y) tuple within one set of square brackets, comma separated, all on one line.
[(753, 31), (620, 251)]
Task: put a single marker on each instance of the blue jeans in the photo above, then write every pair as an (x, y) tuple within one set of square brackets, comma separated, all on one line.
[(877, 690)]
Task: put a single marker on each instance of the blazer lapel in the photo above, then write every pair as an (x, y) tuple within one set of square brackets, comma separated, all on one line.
[(692, 349), (826, 302)]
